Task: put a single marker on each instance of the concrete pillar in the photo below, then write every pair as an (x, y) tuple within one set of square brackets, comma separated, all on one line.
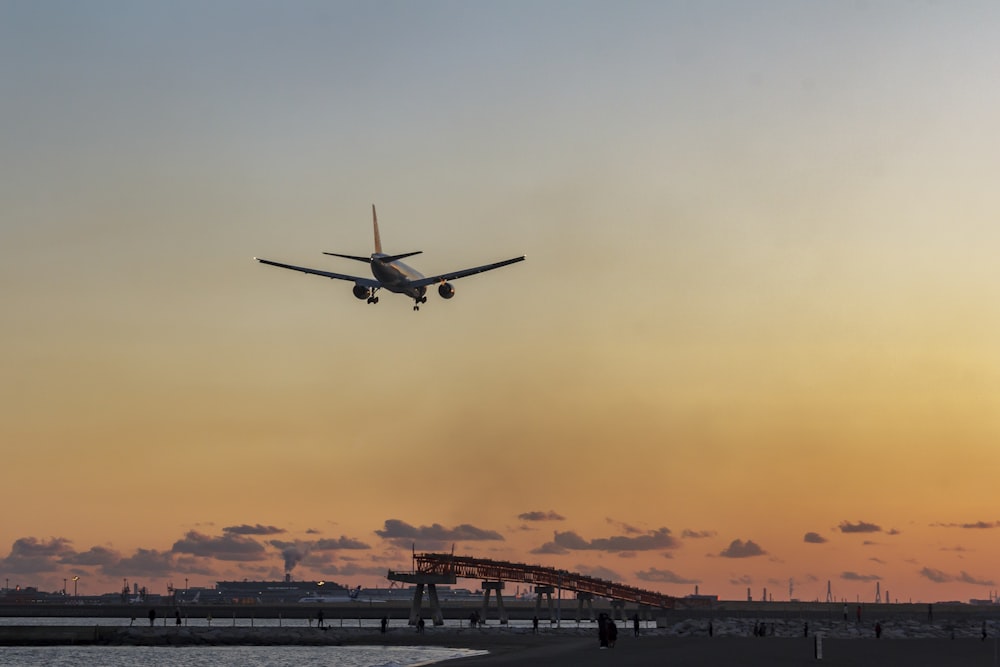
[(580, 599), (546, 591), (496, 586), (432, 597), (617, 610), (418, 598)]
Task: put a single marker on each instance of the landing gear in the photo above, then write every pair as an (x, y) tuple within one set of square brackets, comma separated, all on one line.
[(418, 301), (373, 299)]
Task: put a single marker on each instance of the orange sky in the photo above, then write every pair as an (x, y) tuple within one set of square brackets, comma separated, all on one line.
[(754, 339)]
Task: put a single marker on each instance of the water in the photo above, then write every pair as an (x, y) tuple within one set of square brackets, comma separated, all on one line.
[(228, 656)]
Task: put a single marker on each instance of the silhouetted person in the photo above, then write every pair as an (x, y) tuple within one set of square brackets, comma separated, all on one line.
[(635, 625), (152, 617), (177, 617), (534, 625), (420, 624), (602, 630), (711, 628), (612, 632), (319, 618), (385, 623), (878, 630), (805, 629), (984, 631)]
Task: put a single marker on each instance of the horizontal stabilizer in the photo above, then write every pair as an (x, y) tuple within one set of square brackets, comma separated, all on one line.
[(393, 258), (366, 260)]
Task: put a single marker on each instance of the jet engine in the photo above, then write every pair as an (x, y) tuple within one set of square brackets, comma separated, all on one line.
[(362, 292), (446, 290)]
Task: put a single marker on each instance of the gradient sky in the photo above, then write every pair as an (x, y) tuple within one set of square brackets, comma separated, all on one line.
[(755, 339)]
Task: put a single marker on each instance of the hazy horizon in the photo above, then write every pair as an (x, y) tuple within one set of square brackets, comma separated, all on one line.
[(754, 340)]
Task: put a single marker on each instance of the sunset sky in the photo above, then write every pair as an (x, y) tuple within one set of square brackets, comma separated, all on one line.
[(756, 338)]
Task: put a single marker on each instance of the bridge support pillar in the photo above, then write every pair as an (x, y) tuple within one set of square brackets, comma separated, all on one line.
[(618, 610), (496, 586), (580, 599), (418, 594), (420, 580), (547, 591)]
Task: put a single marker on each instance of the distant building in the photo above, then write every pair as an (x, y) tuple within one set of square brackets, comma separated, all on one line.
[(271, 592)]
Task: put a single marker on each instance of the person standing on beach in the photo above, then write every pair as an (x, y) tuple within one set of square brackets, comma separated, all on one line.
[(612, 632), (385, 623), (152, 617), (878, 630), (534, 625), (177, 617), (319, 618), (635, 625), (984, 631)]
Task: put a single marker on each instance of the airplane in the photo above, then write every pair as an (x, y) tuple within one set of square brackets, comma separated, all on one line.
[(392, 274)]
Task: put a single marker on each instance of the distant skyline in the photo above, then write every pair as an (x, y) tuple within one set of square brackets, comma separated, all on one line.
[(755, 339)]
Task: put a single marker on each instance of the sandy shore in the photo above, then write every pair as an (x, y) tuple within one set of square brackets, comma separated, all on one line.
[(684, 644)]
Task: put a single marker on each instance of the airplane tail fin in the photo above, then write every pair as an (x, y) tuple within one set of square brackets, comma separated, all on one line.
[(378, 240)]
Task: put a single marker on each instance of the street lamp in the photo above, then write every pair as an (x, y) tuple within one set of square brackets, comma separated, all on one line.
[(75, 579)]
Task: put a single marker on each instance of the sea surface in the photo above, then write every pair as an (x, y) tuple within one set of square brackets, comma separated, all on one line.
[(228, 656)]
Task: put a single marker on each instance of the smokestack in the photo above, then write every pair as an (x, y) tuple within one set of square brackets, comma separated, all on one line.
[(288, 577)]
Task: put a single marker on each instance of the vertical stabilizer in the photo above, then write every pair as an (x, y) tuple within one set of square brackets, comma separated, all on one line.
[(378, 241)]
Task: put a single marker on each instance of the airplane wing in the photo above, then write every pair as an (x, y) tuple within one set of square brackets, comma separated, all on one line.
[(455, 275), (366, 282)]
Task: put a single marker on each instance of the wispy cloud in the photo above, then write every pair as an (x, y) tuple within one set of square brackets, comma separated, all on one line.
[(687, 533), (814, 538), (541, 516), (657, 575), (257, 529), (649, 541), (859, 527), (941, 577)]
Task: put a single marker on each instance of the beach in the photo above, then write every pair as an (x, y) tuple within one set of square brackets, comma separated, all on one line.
[(578, 646)]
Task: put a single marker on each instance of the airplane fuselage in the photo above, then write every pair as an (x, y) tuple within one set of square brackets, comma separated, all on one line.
[(397, 276)]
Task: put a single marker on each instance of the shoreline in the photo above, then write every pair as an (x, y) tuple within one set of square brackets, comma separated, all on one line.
[(684, 643)]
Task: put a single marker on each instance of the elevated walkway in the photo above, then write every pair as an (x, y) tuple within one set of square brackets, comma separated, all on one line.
[(432, 568)]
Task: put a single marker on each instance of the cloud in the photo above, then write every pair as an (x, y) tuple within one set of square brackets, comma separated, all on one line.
[(649, 541), (598, 572), (854, 576), (541, 516), (664, 577), (859, 527), (697, 534), (253, 530), (93, 556), (741, 549), (342, 542), (29, 555), (550, 548), (626, 528), (967, 578), (939, 577), (143, 563), (814, 538), (977, 525), (745, 580), (227, 547), (403, 534)]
